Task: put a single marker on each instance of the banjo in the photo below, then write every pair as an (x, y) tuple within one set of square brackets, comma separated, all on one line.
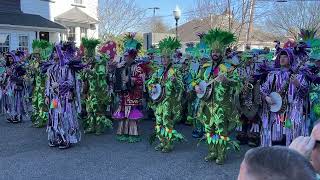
[(205, 89), (279, 99), (157, 91)]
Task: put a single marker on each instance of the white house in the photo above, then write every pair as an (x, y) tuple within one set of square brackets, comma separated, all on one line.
[(22, 21)]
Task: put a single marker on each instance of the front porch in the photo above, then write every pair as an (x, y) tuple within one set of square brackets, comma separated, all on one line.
[(79, 24)]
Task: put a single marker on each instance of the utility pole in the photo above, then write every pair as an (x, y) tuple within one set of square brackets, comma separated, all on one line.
[(250, 28), (154, 10), (211, 20), (229, 14)]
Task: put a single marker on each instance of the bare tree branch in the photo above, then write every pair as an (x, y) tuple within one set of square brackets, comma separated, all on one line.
[(291, 17), (119, 16)]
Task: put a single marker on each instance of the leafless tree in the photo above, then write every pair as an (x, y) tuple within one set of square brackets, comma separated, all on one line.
[(157, 25), (119, 16), (238, 16), (288, 18)]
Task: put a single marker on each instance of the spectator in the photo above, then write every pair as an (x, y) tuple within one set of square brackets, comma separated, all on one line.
[(275, 163), (315, 155), (309, 146)]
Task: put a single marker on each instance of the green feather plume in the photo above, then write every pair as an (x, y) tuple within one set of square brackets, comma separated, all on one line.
[(306, 34), (90, 45), (168, 45), (218, 39), (41, 44)]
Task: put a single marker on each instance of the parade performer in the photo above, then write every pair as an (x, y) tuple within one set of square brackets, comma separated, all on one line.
[(249, 101), (87, 54), (128, 84), (198, 68), (217, 111), (187, 73), (63, 98), (13, 88), (314, 78), (166, 84), (2, 77), (98, 99), (40, 53), (179, 64), (109, 51), (287, 120)]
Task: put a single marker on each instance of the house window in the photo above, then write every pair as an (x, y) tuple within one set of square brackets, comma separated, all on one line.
[(78, 1), (71, 33), (83, 32), (23, 43), (4, 42)]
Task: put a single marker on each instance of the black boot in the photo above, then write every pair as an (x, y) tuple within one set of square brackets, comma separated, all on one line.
[(64, 145), (9, 120), (242, 137), (197, 133), (16, 120), (52, 144)]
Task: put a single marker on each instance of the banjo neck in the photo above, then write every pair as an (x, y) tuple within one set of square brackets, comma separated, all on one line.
[(286, 86)]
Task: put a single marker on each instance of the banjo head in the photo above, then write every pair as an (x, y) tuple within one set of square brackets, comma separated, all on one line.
[(156, 93), (277, 99), (203, 87)]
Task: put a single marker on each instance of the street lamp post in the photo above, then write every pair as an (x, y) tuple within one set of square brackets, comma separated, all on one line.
[(177, 15)]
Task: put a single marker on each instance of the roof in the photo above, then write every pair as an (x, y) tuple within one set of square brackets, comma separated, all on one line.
[(187, 32), (77, 16), (27, 20)]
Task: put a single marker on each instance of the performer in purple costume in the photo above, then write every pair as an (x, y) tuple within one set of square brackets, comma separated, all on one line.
[(62, 95), (13, 88), (290, 123)]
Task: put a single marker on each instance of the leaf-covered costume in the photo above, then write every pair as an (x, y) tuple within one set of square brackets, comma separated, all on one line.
[(95, 96), (39, 115), (165, 110), (313, 76), (171, 81), (218, 113), (200, 55), (97, 101)]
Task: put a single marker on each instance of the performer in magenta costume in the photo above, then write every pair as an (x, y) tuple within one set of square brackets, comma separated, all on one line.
[(128, 84)]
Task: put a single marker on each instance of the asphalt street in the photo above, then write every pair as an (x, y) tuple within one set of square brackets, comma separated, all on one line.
[(24, 154)]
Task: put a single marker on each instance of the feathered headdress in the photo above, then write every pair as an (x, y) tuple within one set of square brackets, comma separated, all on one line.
[(109, 49), (41, 44), (168, 46), (306, 34), (190, 48), (201, 48), (315, 50), (131, 45), (218, 39), (90, 46), (42, 47)]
